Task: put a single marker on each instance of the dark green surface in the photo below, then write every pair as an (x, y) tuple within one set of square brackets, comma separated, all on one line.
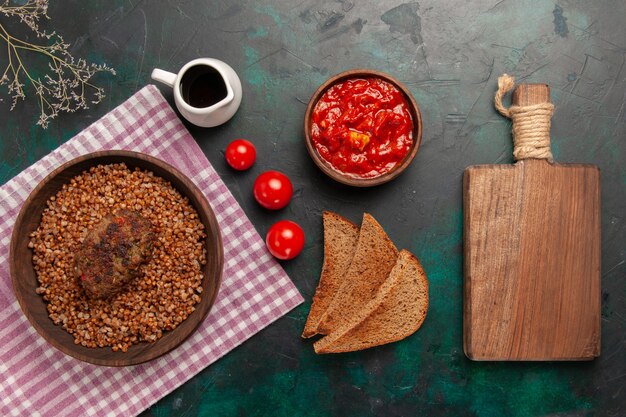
[(449, 54)]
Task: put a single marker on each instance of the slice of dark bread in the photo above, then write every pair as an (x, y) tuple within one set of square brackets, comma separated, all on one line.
[(397, 311), (373, 260), (340, 238)]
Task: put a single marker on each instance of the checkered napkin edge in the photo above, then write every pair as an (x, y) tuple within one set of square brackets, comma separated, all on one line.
[(38, 380)]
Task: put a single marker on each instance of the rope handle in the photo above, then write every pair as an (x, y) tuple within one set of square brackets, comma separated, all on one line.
[(505, 84), (531, 124)]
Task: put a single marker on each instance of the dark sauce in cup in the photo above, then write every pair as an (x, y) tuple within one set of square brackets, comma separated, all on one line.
[(202, 86)]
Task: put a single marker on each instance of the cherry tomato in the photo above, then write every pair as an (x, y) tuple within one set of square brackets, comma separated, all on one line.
[(273, 190), (240, 154), (285, 240)]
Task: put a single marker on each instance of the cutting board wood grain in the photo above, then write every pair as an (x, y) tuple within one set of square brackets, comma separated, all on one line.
[(532, 257)]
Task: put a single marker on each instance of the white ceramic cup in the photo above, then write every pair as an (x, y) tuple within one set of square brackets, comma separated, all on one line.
[(214, 114)]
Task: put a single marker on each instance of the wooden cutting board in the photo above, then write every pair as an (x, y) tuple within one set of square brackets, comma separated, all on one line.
[(532, 257)]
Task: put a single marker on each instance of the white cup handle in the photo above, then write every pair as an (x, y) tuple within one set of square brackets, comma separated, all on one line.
[(163, 76)]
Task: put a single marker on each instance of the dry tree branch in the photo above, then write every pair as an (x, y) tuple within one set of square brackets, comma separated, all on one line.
[(66, 84)]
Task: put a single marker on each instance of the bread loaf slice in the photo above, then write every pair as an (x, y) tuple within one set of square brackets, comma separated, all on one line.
[(374, 257), (340, 238), (397, 311)]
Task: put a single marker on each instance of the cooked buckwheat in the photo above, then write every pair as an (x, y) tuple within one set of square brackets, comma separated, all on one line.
[(157, 301)]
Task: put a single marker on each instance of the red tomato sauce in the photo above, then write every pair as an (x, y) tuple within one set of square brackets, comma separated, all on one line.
[(362, 127)]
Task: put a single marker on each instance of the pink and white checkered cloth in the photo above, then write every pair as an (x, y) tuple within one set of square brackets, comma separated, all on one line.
[(36, 379)]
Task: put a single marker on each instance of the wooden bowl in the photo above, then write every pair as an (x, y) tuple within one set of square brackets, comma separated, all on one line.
[(346, 178), (25, 279)]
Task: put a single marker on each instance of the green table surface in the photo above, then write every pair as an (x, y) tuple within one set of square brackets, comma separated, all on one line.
[(449, 54)]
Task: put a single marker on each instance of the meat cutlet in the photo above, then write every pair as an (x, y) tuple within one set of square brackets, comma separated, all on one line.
[(113, 252)]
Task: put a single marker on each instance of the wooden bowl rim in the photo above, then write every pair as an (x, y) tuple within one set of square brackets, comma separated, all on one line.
[(344, 178), (155, 350)]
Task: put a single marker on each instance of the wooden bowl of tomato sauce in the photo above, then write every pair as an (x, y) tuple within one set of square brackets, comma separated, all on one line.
[(362, 127)]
